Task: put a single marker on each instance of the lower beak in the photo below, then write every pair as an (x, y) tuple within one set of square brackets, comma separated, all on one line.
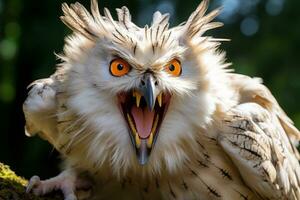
[(143, 152), (143, 148)]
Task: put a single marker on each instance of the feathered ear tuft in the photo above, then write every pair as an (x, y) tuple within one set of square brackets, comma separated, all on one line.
[(124, 18), (160, 19), (78, 19), (198, 23)]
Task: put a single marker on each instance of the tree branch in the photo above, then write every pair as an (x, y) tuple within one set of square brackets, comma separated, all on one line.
[(13, 187)]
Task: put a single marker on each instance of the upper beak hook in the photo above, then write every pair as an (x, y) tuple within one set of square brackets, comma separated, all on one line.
[(147, 88)]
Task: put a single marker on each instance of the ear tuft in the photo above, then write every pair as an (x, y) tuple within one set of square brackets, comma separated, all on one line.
[(198, 23), (78, 19)]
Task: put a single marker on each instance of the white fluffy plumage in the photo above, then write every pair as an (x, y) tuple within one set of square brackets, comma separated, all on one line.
[(223, 135)]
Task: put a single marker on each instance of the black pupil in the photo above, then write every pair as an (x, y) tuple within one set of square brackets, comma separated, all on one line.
[(120, 67), (172, 67)]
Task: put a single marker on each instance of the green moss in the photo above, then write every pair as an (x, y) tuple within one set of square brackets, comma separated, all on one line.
[(7, 174), (13, 187)]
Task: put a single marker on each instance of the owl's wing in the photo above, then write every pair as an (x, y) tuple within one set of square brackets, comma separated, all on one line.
[(40, 110), (257, 136)]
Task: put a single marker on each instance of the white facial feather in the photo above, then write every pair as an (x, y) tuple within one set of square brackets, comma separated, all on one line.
[(92, 90)]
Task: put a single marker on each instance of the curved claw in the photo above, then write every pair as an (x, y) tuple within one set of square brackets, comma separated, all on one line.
[(33, 182), (66, 182)]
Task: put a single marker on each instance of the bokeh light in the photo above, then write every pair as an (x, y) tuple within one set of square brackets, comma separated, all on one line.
[(249, 26), (8, 49), (230, 8), (274, 7)]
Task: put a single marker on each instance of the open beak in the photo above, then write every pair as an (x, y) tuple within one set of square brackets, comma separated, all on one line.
[(147, 90), (144, 109)]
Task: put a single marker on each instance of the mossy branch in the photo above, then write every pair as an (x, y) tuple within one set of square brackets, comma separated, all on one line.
[(13, 187)]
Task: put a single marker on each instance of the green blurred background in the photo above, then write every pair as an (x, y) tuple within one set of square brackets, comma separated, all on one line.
[(265, 43)]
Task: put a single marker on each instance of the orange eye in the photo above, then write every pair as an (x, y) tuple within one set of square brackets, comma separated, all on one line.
[(119, 67), (173, 68)]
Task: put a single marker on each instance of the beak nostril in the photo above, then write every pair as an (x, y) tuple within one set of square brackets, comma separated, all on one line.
[(143, 83), (156, 83)]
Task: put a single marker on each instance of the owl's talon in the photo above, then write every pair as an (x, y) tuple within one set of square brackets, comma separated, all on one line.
[(33, 182), (66, 182)]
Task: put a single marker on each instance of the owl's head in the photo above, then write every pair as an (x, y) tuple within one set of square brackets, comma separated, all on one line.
[(143, 93)]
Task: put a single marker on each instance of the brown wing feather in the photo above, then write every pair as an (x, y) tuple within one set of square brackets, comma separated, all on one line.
[(257, 135), (251, 90)]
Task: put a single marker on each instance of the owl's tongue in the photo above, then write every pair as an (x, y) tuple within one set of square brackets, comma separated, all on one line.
[(143, 118)]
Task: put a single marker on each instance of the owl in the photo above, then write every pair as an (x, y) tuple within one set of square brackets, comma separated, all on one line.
[(155, 112)]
